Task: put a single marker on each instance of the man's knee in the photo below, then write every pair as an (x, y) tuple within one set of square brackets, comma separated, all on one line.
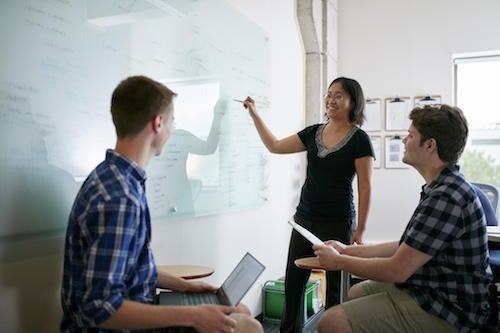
[(356, 291), (334, 320), (246, 323), (242, 308)]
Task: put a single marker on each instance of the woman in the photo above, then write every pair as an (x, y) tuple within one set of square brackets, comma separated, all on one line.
[(336, 152)]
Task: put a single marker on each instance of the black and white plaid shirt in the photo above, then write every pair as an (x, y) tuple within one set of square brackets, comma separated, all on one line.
[(450, 226)]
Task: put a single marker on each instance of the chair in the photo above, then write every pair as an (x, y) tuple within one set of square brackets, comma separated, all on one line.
[(491, 193), (488, 195)]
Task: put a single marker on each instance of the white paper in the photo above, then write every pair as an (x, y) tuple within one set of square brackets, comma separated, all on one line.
[(372, 113), (396, 114), (306, 233)]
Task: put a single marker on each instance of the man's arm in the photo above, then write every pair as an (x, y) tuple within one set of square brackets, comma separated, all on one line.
[(366, 250), (396, 268), (204, 318), (209, 318)]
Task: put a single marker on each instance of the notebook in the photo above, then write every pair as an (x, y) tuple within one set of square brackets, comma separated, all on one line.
[(231, 291)]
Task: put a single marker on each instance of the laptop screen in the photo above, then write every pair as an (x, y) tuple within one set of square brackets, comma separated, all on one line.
[(242, 278)]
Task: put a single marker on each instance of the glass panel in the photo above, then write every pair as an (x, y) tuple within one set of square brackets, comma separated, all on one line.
[(477, 87)]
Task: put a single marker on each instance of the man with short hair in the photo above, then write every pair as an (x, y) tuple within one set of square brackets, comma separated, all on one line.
[(435, 278), (110, 276)]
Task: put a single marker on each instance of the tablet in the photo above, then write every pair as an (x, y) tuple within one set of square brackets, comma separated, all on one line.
[(306, 233)]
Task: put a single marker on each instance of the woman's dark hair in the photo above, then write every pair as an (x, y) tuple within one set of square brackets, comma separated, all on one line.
[(353, 88)]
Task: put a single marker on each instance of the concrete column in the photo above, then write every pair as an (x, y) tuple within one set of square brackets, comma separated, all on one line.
[(318, 26), (313, 58)]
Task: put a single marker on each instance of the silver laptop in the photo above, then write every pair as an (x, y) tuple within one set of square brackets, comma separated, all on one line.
[(231, 292)]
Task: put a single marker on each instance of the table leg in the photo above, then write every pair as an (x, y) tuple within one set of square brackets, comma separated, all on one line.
[(344, 286)]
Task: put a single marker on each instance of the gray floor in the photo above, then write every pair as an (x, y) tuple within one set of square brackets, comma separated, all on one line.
[(273, 326)]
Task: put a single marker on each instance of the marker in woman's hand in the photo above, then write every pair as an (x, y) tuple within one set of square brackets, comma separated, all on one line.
[(238, 100)]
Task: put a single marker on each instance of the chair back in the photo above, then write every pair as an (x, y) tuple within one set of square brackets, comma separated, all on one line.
[(489, 202)]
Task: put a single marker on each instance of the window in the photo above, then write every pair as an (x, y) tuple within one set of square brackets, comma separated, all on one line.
[(477, 93)]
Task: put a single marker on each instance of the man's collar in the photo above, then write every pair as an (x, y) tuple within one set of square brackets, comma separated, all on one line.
[(444, 173)]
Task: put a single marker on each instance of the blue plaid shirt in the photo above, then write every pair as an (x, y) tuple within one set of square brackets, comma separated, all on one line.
[(107, 251), (449, 225)]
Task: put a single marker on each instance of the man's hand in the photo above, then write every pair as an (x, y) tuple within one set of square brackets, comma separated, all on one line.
[(200, 287), (214, 318), (339, 246), (327, 255)]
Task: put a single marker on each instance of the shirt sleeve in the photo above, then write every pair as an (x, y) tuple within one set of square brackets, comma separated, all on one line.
[(435, 224), (363, 145), (308, 133), (111, 229)]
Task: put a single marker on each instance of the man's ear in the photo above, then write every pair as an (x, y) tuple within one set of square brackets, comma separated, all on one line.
[(431, 144), (156, 122)]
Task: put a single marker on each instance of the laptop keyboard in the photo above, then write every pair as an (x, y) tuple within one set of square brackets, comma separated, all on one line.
[(196, 299)]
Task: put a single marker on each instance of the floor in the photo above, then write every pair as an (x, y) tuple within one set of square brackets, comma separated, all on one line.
[(270, 327), (273, 325)]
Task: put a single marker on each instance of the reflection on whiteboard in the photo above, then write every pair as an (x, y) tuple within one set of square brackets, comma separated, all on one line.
[(194, 104), (190, 159)]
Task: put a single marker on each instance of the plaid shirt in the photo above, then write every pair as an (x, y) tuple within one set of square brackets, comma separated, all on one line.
[(449, 225), (107, 251)]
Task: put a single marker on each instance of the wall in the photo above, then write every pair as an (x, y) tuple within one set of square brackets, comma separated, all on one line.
[(405, 48), (30, 277)]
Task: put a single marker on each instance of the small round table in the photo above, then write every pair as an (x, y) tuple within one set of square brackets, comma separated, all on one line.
[(308, 263), (312, 263), (187, 271)]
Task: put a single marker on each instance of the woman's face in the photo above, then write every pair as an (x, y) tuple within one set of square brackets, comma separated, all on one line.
[(338, 103)]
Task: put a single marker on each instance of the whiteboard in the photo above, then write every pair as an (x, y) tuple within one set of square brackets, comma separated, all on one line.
[(61, 60)]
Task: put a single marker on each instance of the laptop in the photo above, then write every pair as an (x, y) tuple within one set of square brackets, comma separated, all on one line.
[(230, 293)]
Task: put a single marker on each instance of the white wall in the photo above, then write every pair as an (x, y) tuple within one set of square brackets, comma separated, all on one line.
[(404, 48), (30, 280)]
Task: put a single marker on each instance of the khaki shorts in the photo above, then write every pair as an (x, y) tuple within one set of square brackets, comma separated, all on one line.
[(386, 308)]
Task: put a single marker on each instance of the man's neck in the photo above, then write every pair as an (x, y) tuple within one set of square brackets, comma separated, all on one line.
[(431, 172), (134, 151)]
